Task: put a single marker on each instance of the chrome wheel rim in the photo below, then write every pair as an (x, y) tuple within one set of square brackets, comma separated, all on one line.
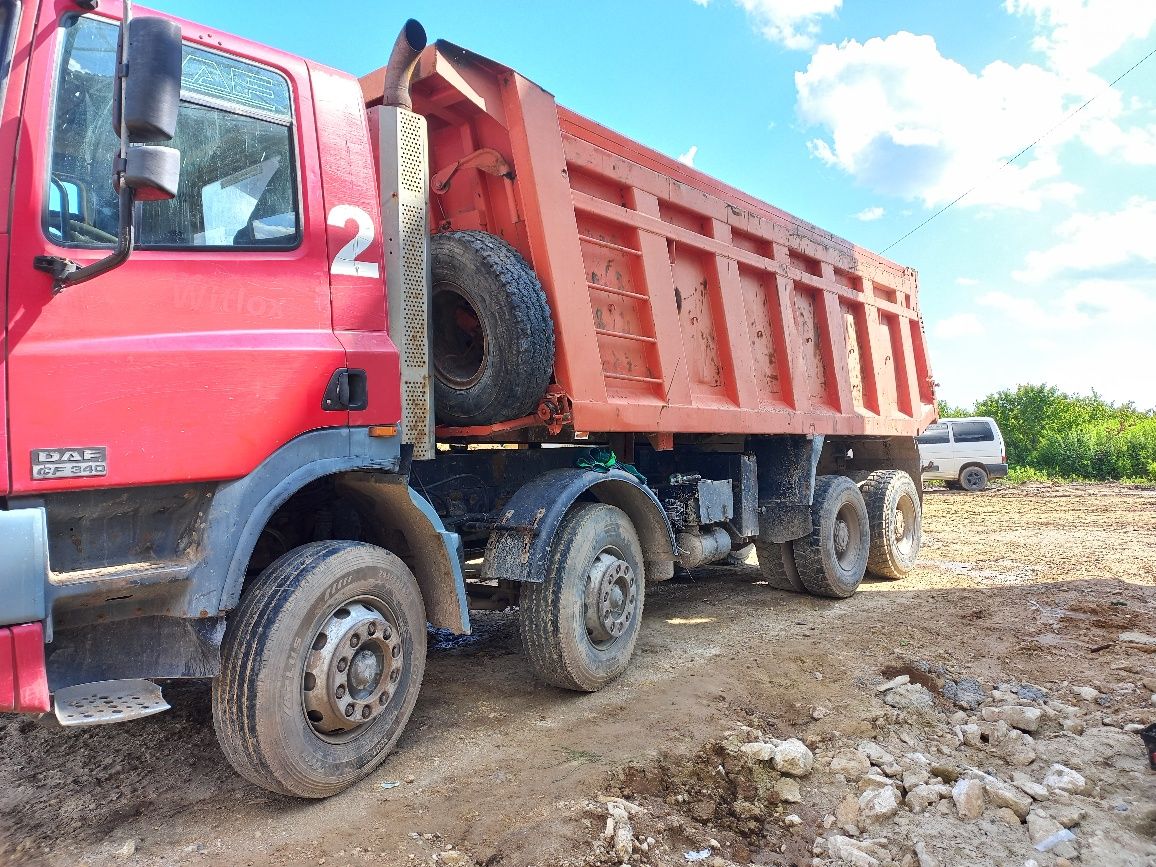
[(352, 670), (610, 597)]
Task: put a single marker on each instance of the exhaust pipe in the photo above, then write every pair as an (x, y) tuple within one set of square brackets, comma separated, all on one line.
[(402, 59)]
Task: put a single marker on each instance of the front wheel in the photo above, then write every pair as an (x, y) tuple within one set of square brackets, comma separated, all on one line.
[(579, 625), (832, 558), (320, 668)]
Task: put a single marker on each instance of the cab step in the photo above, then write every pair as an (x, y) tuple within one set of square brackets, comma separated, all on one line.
[(107, 701)]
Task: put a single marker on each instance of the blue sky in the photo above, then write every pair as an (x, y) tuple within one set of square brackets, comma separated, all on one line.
[(866, 118)]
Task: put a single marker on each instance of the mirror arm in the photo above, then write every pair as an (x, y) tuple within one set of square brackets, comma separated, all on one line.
[(67, 273), (64, 271)]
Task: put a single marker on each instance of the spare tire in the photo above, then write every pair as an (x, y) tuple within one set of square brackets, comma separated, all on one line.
[(492, 333)]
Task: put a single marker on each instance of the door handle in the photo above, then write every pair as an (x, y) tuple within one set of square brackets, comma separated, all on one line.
[(348, 390)]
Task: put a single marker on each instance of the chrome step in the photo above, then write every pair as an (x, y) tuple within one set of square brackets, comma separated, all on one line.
[(108, 701)]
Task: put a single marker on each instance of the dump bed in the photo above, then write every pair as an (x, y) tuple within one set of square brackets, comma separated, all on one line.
[(681, 305)]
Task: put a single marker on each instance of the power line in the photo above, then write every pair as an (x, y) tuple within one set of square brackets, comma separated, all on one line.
[(1023, 151)]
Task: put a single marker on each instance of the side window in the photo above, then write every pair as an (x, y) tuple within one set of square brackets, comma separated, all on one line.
[(238, 186), (972, 432), (934, 435)]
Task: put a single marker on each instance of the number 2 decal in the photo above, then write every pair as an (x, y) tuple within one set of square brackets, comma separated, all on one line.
[(346, 261)]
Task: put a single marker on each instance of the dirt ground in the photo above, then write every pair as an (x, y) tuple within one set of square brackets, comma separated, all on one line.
[(1028, 585)]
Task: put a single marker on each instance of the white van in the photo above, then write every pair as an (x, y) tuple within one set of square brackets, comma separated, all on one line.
[(964, 452)]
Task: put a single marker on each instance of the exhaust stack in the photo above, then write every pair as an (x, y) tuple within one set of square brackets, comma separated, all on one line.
[(402, 59)]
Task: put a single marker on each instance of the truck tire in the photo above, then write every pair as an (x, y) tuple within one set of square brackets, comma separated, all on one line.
[(492, 333), (896, 523), (579, 625), (973, 478), (320, 668), (777, 563), (832, 558)]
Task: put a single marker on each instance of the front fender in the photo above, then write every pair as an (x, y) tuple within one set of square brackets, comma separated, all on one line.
[(520, 543)]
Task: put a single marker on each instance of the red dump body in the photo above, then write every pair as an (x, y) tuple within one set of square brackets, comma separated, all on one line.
[(681, 305)]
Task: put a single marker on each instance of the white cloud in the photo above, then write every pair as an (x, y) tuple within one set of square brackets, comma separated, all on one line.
[(1098, 242), (790, 23), (687, 159), (701, 2), (957, 326), (1078, 35), (904, 120), (868, 215)]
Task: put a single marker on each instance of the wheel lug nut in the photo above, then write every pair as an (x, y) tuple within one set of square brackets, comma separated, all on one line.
[(349, 710), (365, 712), (386, 632), (341, 690), (394, 675), (371, 629), (342, 664), (354, 640)]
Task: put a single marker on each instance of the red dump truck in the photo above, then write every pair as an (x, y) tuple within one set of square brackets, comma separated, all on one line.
[(297, 364)]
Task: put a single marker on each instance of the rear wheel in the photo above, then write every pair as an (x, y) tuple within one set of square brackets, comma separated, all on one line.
[(832, 558), (320, 668), (973, 478), (895, 519), (777, 563), (579, 625)]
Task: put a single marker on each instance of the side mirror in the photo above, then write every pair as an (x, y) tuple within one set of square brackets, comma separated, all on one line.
[(152, 172), (151, 84)]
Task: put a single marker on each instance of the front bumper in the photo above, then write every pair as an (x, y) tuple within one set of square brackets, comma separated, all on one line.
[(23, 565), (23, 677)]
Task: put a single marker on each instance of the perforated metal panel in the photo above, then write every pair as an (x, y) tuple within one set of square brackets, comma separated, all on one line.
[(405, 224)]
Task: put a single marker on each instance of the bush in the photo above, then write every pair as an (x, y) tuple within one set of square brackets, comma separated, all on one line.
[(1050, 434)]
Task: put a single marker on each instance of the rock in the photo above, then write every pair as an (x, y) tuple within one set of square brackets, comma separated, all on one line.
[(1074, 726), (876, 754), (1018, 749), (968, 797), (1041, 826), (748, 810), (967, 692), (850, 763), (791, 820), (877, 805), (922, 797), (787, 790), (947, 773), (969, 734), (1142, 639), (455, 858), (874, 781), (1028, 786), (924, 857), (1067, 815), (1087, 693), (1065, 779), (891, 684), (818, 712), (847, 812), (909, 696), (893, 770), (759, 751), (1031, 692), (916, 776), (127, 850), (1006, 795), (857, 853), (792, 757), (1003, 814), (1026, 719)]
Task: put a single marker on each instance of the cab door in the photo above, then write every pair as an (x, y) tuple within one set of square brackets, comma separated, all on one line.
[(213, 345)]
